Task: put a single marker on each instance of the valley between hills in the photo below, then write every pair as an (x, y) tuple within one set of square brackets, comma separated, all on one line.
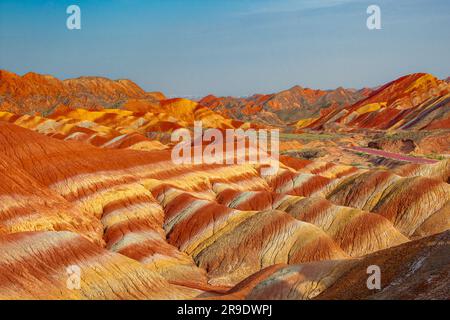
[(87, 180)]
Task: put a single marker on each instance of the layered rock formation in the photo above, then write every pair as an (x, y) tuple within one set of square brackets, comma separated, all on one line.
[(98, 190), (414, 270), (283, 107), (36, 93), (201, 228), (36, 265), (414, 102)]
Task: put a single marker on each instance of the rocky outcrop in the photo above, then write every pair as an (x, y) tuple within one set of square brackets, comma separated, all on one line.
[(98, 189), (414, 270), (283, 107), (38, 265), (36, 93), (414, 102)]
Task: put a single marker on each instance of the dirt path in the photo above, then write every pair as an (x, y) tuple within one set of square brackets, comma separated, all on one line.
[(392, 155)]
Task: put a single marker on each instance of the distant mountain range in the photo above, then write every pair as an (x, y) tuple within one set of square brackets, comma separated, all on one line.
[(34, 92), (417, 101), (88, 182), (284, 107)]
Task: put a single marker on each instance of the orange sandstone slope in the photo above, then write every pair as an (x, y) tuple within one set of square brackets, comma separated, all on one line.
[(107, 128), (118, 104), (36, 93), (136, 223), (34, 265), (414, 102), (414, 270), (115, 128), (91, 188), (284, 107)]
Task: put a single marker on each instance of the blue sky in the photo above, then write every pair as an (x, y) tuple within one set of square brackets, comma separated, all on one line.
[(227, 47)]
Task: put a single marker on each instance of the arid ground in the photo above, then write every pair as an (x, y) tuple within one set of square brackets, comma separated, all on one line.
[(87, 181)]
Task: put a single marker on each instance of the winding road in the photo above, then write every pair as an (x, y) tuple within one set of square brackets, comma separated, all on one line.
[(392, 155)]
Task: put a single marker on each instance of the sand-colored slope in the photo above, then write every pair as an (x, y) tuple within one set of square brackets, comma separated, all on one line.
[(202, 227), (357, 232), (267, 238), (414, 270), (34, 266), (406, 202)]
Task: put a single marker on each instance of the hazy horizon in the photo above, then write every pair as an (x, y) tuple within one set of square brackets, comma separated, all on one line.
[(238, 48), (202, 96)]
